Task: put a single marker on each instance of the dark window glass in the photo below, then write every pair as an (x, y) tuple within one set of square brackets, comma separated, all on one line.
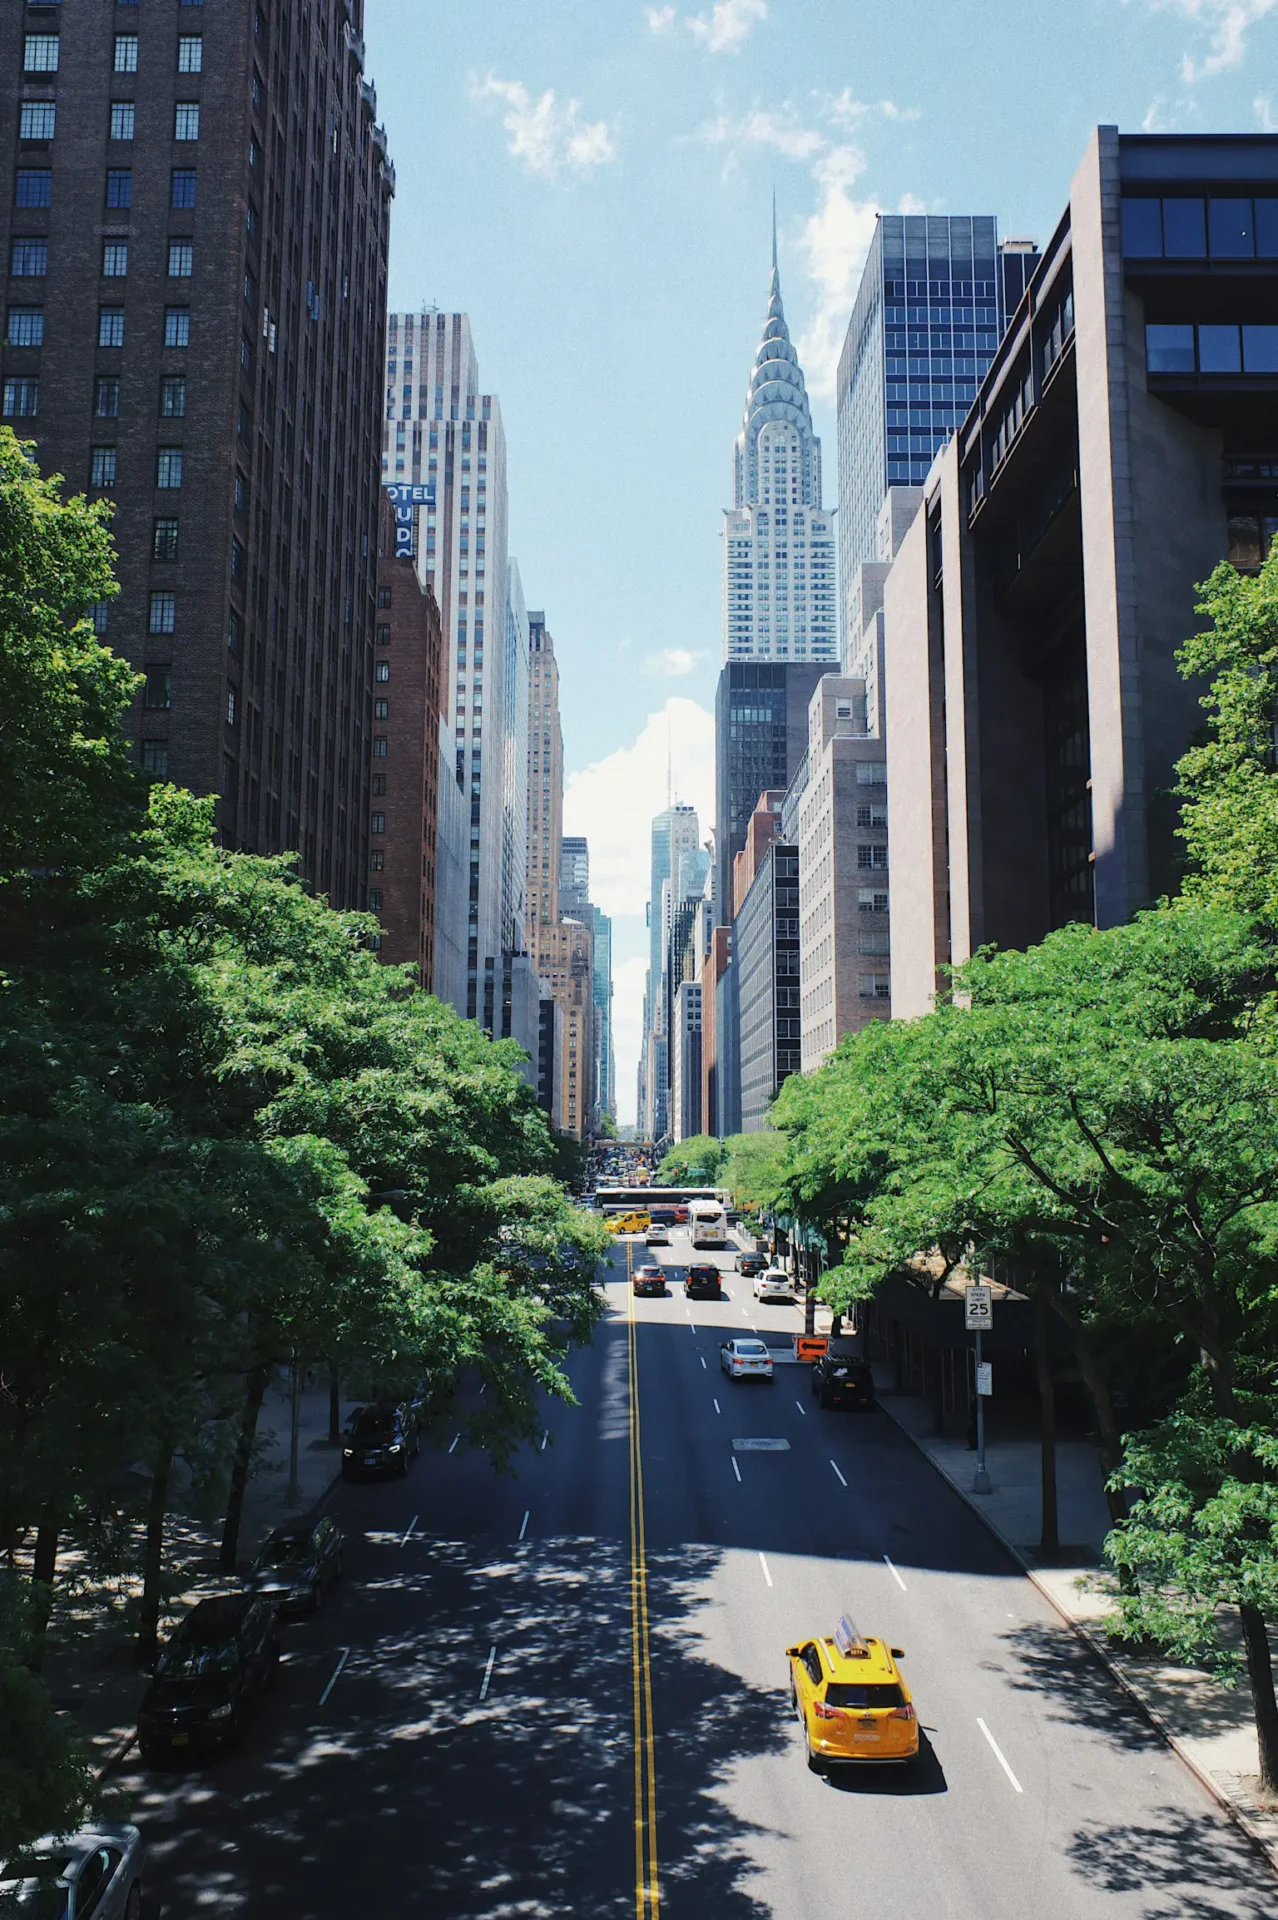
[(34, 187), (1260, 349), (106, 398), (26, 327), (1142, 229), (1267, 229), (173, 397), (155, 757), (158, 687), (1219, 350), (102, 466), (182, 187), (1184, 229), (880, 1694), (110, 326), (177, 327), (1169, 349), (29, 258), (1230, 230), (119, 187), (164, 541)]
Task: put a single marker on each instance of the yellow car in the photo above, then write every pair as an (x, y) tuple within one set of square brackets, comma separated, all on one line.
[(628, 1223), (852, 1700)]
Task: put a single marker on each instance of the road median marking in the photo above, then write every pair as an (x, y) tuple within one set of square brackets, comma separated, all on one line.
[(999, 1755), (647, 1882), (895, 1575)]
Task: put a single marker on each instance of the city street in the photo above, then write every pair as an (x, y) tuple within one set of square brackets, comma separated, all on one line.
[(536, 1695)]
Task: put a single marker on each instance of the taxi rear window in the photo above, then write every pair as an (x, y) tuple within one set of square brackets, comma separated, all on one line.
[(887, 1694)]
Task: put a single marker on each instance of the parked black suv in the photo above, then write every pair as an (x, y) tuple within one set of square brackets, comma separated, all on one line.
[(211, 1675), (841, 1378), (381, 1440), (703, 1282), (297, 1564)]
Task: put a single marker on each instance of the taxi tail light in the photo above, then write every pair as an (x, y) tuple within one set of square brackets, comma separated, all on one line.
[(901, 1713), (823, 1712)]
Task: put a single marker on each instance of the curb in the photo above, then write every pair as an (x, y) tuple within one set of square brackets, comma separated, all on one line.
[(115, 1756), (1100, 1651)]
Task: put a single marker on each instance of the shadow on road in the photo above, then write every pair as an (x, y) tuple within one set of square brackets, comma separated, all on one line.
[(1180, 1862)]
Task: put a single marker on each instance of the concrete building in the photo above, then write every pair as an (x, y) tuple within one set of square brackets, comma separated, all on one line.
[(676, 867), (765, 955), (936, 294), (836, 811), (685, 1067), (714, 1044), (515, 720), (404, 818), (1121, 445), (779, 564), (760, 737), (452, 875), (440, 428), (605, 1052), (171, 347)]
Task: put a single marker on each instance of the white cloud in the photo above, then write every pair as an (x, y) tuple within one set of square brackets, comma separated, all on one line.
[(834, 243), (845, 110), (673, 662), (1264, 114), (547, 134), (728, 26), (1153, 123), (660, 19), (762, 128), (1226, 23)]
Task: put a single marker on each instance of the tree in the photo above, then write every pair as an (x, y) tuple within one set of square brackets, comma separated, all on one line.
[(754, 1169), (695, 1161), (47, 1784)]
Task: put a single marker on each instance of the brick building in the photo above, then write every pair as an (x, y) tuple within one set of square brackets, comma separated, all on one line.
[(404, 814), (195, 236)]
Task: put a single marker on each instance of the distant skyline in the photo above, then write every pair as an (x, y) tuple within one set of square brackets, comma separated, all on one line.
[(593, 187)]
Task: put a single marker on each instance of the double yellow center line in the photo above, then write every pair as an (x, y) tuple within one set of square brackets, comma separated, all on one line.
[(647, 1885)]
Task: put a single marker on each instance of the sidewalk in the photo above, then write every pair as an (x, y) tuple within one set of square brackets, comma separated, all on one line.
[(1210, 1729), (91, 1666)]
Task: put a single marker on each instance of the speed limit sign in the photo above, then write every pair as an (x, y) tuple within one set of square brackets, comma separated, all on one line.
[(978, 1309)]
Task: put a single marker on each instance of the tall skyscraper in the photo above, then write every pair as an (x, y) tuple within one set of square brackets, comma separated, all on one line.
[(606, 1072), (574, 876), (516, 700), (545, 780), (677, 872), (760, 736), (440, 427), (676, 834), (935, 297), (195, 311), (779, 564)]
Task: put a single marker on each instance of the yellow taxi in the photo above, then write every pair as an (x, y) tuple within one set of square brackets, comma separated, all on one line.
[(629, 1222), (852, 1700)]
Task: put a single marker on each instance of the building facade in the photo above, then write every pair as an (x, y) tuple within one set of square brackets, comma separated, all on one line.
[(574, 875), (194, 320), (606, 1067), (779, 564), (935, 297), (1121, 445), (404, 817), (760, 737), (765, 954), (440, 428), (685, 1062)]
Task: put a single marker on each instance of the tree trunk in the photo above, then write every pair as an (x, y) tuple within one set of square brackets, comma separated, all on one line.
[(1260, 1672), (334, 1407), (157, 1508), (1111, 1439), (240, 1469), (1049, 1529), (44, 1567)]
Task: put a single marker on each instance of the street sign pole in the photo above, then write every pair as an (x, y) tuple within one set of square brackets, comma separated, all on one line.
[(981, 1483)]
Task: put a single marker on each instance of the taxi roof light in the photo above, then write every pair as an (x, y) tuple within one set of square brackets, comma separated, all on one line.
[(849, 1640)]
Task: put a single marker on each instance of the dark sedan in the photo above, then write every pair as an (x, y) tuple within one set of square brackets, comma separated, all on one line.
[(381, 1441), (703, 1282), (752, 1263), (209, 1678), (843, 1380), (297, 1564)]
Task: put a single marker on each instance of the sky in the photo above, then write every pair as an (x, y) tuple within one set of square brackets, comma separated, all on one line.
[(591, 180)]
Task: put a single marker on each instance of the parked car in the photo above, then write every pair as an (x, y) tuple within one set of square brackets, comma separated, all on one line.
[(842, 1378), (745, 1359), (382, 1440), (774, 1283), (703, 1282), (751, 1263), (211, 1675), (67, 1876), (298, 1563)]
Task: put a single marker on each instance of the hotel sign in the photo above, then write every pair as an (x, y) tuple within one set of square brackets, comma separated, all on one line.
[(405, 497)]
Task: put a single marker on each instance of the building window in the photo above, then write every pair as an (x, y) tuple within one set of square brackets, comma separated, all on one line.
[(110, 326), (379, 785), (181, 259), (871, 815), (377, 823), (99, 612), (383, 636), (871, 900), (106, 397), (186, 120), (874, 858), (875, 986), (164, 540), (190, 53), (122, 119), (382, 670), (874, 940), (381, 709), (871, 773), (233, 634), (177, 326), (377, 859), (155, 757), (115, 259), (163, 612), (21, 399), (102, 467), (383, 596), (374, 899), (182, 187), (379, 746), (230, 706), (119, 187), (126, 53), (34, 187), (158, 689), (173, 397), (26, 327), (168, 467), (40, 53), (29, 259), (39, 118)]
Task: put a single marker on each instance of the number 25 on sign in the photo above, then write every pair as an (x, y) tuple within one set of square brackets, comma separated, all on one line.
[(978, 1309)]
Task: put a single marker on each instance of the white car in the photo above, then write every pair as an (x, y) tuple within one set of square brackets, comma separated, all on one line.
[(774, 1284), (745, 1359), (95, 1871)]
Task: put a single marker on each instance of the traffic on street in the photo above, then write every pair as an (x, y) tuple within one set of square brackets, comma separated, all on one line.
[(713, 1649)]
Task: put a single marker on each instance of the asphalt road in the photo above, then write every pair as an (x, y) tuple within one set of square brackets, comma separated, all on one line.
[(564, 1692)]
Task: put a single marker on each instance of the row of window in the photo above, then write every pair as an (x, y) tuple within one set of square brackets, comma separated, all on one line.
[(1192, 227), (1211, 349), (29, 260), (42, 53)]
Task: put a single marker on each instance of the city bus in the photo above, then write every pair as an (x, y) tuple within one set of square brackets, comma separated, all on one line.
[(707, 1224)]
